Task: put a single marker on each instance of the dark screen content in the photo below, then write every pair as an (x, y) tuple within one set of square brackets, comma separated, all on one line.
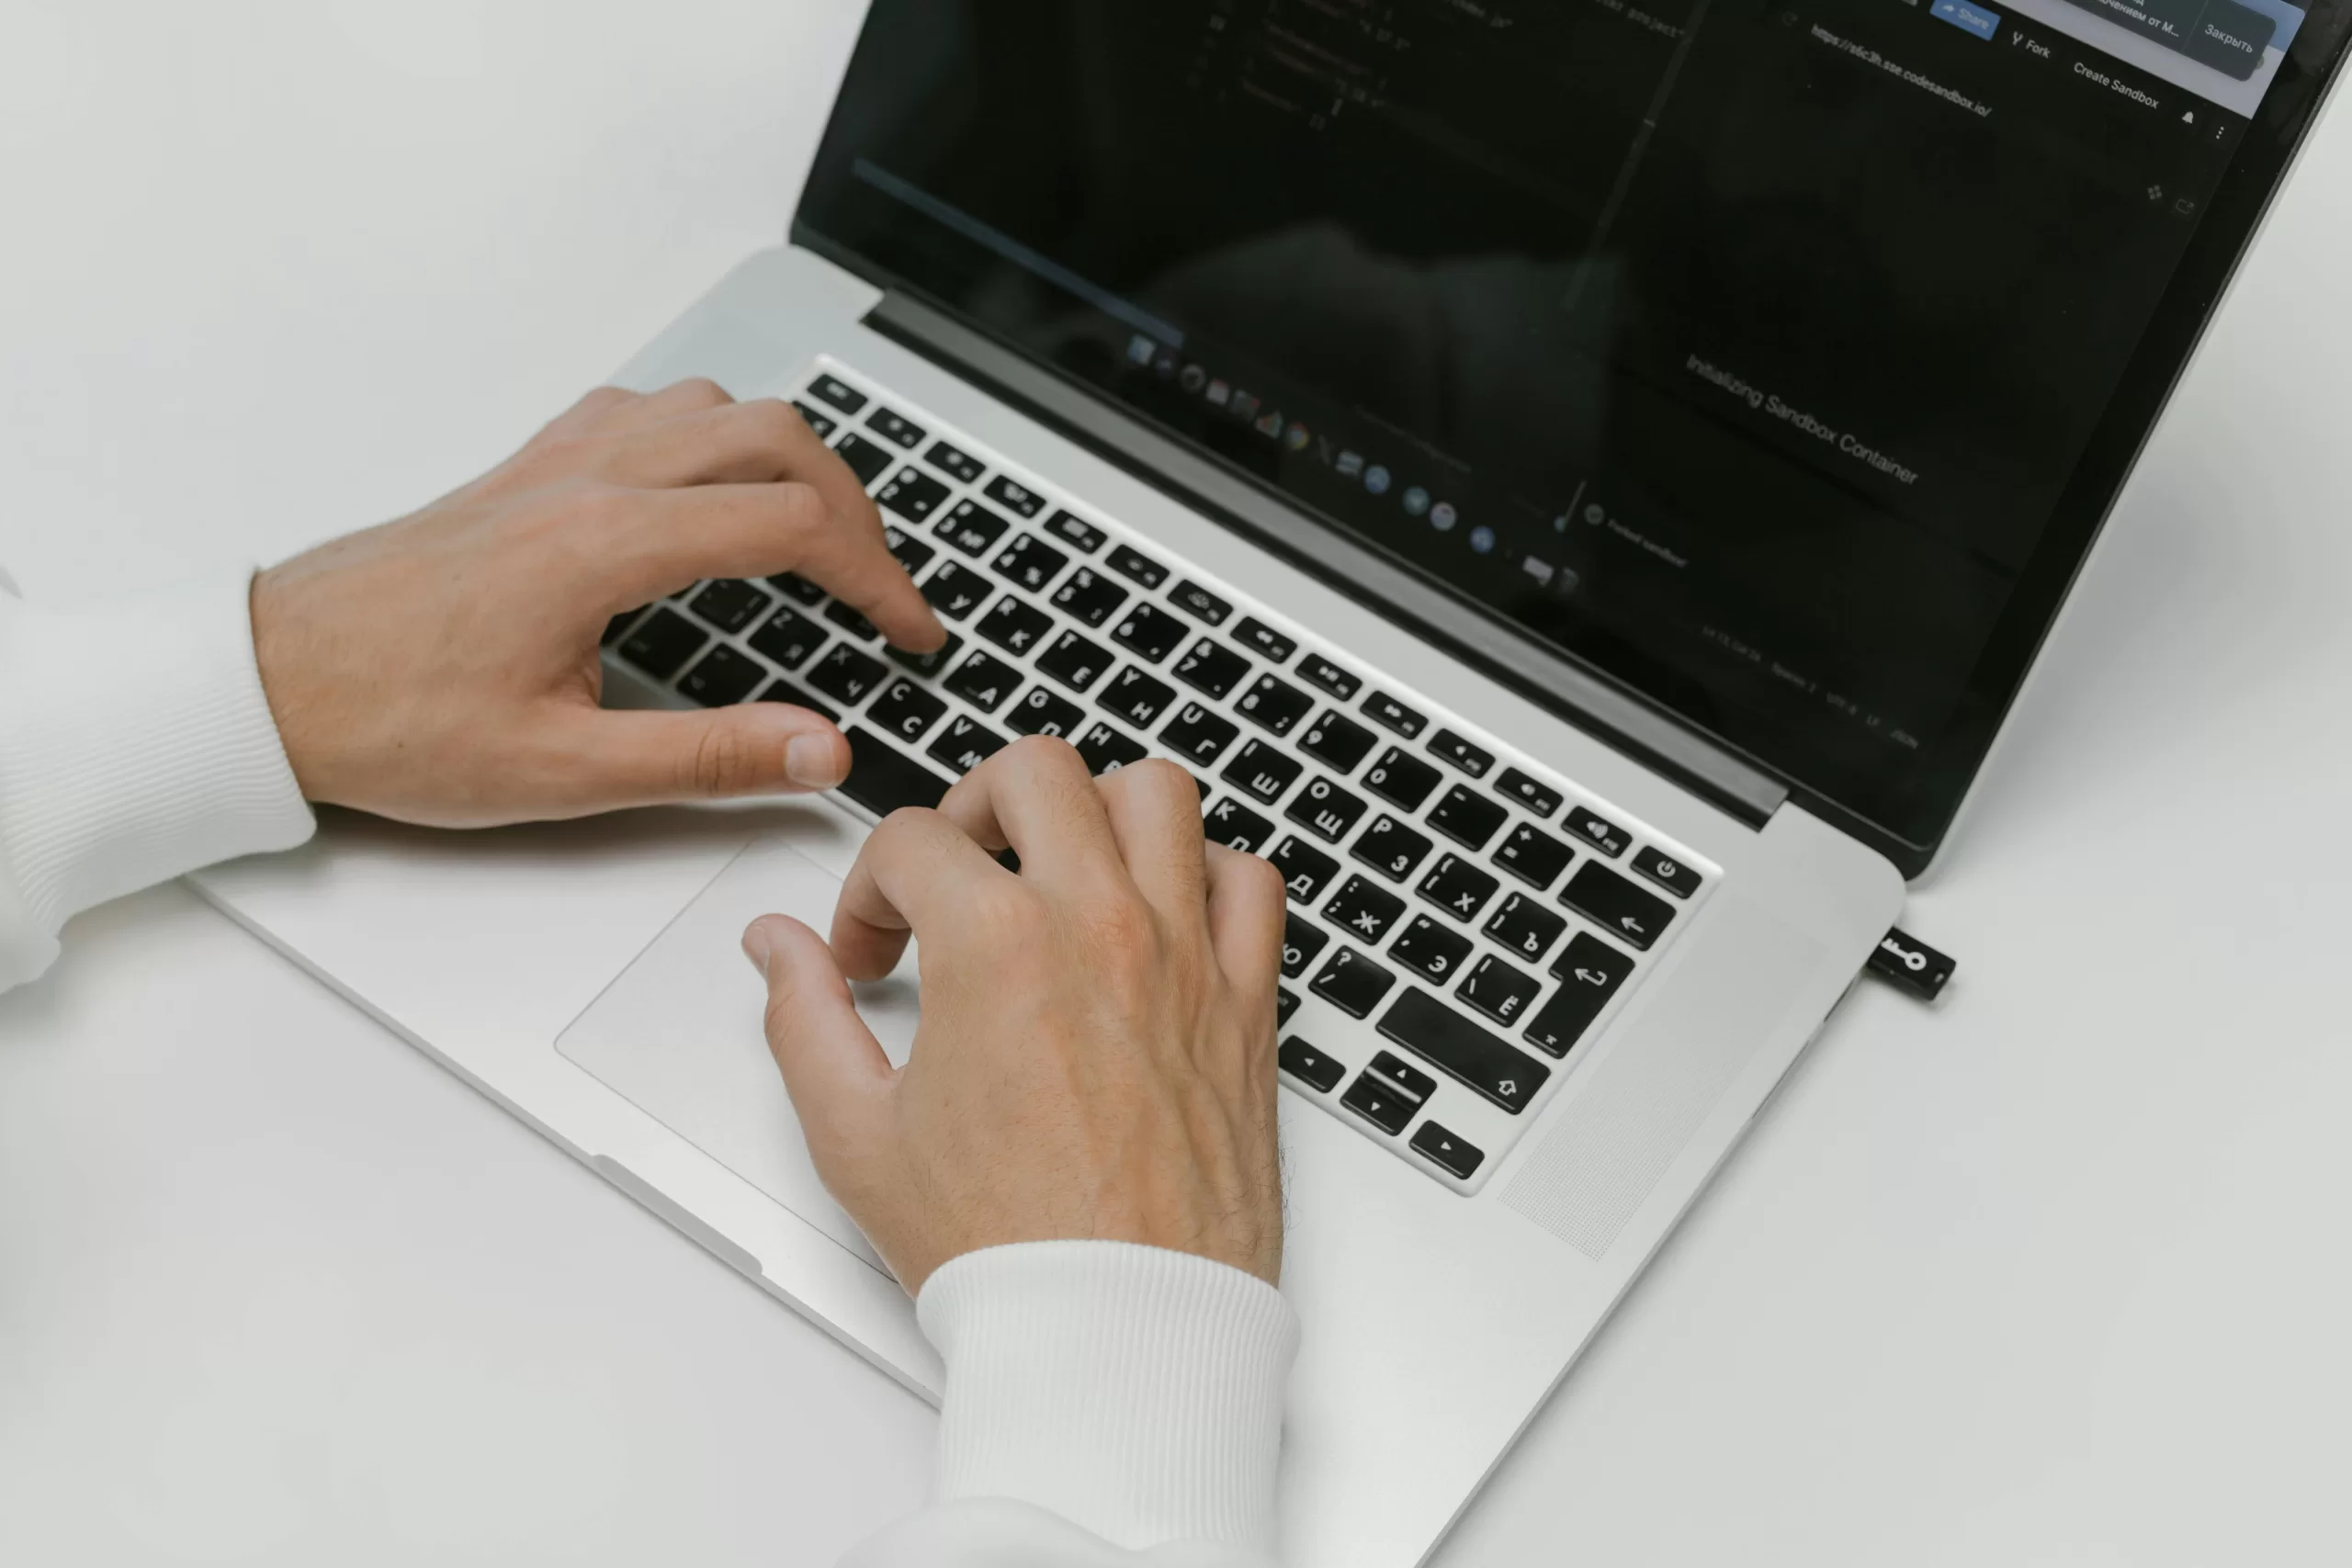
[(1741, 349)]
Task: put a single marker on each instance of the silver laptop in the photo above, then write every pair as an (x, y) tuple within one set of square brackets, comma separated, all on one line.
[(1578, 485)]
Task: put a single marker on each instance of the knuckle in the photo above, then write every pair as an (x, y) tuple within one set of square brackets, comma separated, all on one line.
[(799, 508), (702, 390), (772, 422), (720, 763)]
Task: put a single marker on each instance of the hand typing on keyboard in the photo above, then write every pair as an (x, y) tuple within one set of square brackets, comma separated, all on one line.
[(445, 669), (1096, 1057)]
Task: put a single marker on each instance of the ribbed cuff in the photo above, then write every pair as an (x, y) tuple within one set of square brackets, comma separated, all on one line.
[(1136, 1393), (135, 745)]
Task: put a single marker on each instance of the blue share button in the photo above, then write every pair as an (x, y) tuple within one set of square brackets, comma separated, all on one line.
[(1972, 18)]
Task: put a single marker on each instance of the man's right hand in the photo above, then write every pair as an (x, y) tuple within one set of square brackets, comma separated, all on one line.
[(1096, 1056)]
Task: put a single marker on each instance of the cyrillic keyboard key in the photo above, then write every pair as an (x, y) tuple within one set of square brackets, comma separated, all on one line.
[(956, 591), (1136, 697), (1198, 735), (730, 604), (1090, 597), (1330, 676), (1235, 826), (1137, 567), (1194, 600), (1275, 705), (723, 677), (913, 554), (1525, 927), (784, 692), (1105, 751), (1150, 632), (1043, 712), (1598, 831), (1531, 794), (1401, 779), (1363, 910), (1499, 990), (663, 645), (1076, 531), (883, 779), (1390, 714), (1468, 819), (894, 428), (1029, 562), (1210, 666), (1447, 1152), (912, 494), (1309, 1065), (905, 712), (973, 528), (1429, 949), (1533, 856), (985, 681), (1016, 497), (869, 459), (1471, 759), (1391, 849), (1074, 661), (1374, 1101), (847, 675), (1616, 906), (1305, 870), (1463, 1052), (1458, 888), (965, 743), (951, 460), (1263, 772), (1353, 983), (839, 393), (847, 617), (798, 589), (824, 425), (1302, 941), (929, 663), (789, 637), (1264, 641), (1326, 810), (1014, 625), (1671, 874), (1589, 972), (1286, 1004), (1338, 741)]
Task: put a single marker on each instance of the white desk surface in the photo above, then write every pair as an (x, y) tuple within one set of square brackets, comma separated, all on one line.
[(2055, 1274)]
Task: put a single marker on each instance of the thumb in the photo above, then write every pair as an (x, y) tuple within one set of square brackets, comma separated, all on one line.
[(833, 1068), (644, 758)]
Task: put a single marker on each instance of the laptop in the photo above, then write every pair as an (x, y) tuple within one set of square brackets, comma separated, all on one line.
[(1580, 485)]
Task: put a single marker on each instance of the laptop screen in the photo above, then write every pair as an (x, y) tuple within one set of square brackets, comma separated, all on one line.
[(1777, 358)]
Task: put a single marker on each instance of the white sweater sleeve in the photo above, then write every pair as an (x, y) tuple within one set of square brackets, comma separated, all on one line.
[(135, 745), (1108, 1406)]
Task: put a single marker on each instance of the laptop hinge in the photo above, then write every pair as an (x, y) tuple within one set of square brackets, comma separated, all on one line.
[(1496, 649)]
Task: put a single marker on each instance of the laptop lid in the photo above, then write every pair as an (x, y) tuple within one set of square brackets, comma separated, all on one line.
[(1776, 360)]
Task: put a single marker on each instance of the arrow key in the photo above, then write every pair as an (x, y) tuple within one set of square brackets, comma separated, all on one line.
[(1448, 1153)]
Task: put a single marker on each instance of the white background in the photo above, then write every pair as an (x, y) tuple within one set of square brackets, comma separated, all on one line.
[(2052, 1275)]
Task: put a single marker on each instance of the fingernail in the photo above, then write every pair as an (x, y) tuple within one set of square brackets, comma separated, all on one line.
[(809, 762), (756, 946)]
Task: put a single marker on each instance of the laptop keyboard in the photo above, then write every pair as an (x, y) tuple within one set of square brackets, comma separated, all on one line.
[(1461, 919)]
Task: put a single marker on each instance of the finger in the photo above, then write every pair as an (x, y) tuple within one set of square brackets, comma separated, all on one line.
[(754, 443), (1246, 912), (653, 542), (608, 761), (915, 870), (640, 410), (833, 1069), (1036, 799), (1154, 809)]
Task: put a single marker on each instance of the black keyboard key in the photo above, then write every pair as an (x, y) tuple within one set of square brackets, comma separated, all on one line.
[(894, 428), (824, 425), (1330, 676), (1286, 1004), (1210, 666), (1014, 497), (1198, 601), (723, 678), (839, 393), (1429, 949), (1264, 641), (912, 494), (1401, 779), (1616, 906), (1458, 888), (1418, 1085), (1105, 751), (1074, 661), (798, 589), (1076, 531), (1136, 697), (847, 675), (1600, 832), (1136, 565), (1353, 983), (730, 605), (1447, 1152), (1303, 943), (784, 692), (1150, 632), (1533, 856), (1525, 927), (950, 460), (1263, 772), (883, 779), (1374, 1101), (1390, 714), (1044, 712), (1589, 972), (868, 460), (1309, 1065), (1090, 597), (663, 645), (913, 554), (1015, 625), (1462, 1051), (1275, 705), (973, 528), (1029, 562), (905, 712), (1326, 810), (617, 625), (1363, 910), (847, 617), (1471, 759), (929, 663), (1531, 794), (1198, 735), (1468, 819), (1235, 826), (1337, 739), (1667, 872), (789, 637), (985, 681), (965, 743), (1305, 870), (956, 591), (1391, 849), (1499, 990)]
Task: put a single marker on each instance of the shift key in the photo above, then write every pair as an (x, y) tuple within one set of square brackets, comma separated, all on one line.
[(1459, 1049)]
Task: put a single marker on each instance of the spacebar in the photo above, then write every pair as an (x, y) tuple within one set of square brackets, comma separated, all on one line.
[(882, 779)]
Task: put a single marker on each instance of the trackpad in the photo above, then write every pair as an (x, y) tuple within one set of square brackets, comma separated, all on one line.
[(678, 1033)]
